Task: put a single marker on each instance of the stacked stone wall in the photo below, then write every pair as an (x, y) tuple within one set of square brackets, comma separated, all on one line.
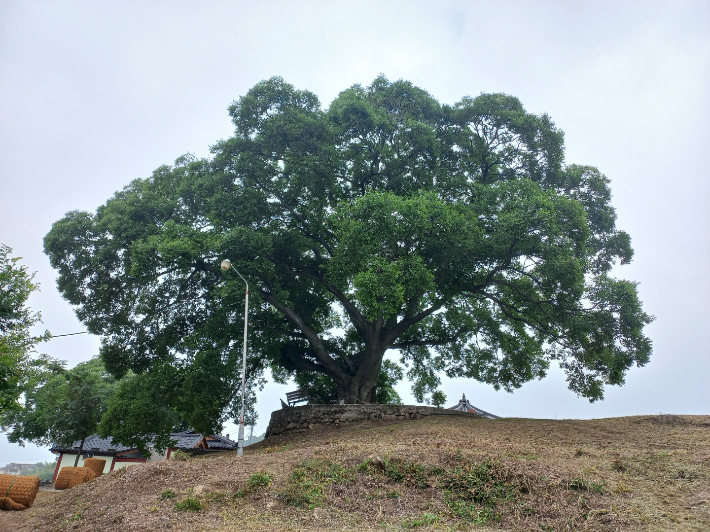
[(307, 417)]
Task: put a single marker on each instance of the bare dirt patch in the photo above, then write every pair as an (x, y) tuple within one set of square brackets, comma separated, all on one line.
[(438, 473)]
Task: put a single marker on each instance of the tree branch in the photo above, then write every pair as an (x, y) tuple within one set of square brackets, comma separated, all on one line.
[(505, 310), (413, 303), (314, 340), (356, 317), (429, 342), (394, 333), (286, 332)]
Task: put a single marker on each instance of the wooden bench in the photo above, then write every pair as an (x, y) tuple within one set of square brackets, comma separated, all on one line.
[(299, 396)]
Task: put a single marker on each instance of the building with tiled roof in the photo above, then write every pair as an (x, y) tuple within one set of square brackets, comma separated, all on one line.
[(464, 406), (118, 456), (14, 468)]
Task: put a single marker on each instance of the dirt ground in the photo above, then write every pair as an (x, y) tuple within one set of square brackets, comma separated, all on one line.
[(437, 473)]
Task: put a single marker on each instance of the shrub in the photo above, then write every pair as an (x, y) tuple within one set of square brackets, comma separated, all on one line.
[(180, 456), (255, 482), (191, 504), (167, 494), (259, 480)]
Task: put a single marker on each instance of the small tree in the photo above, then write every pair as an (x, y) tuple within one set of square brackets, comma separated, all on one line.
[(66, 408), (141, 412), (147, 407)]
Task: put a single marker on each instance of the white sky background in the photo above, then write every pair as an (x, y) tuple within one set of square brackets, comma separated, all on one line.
[(95, 94)]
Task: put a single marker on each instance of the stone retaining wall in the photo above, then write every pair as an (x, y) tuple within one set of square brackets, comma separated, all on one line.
[(306, 417)]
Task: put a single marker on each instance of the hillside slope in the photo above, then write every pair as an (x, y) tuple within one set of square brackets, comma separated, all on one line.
[(438, 473)]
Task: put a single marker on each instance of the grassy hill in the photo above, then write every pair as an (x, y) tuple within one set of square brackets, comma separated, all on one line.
[(438, 473)]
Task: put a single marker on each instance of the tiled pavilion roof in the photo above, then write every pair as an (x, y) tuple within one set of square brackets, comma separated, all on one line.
[(464, 406)]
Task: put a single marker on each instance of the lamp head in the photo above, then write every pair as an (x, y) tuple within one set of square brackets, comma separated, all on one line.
[(225, 265)]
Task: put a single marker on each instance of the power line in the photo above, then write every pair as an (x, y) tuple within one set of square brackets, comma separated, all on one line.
[(70, 334)]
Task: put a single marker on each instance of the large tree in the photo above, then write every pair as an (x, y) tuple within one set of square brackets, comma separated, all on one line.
[(454, 234)]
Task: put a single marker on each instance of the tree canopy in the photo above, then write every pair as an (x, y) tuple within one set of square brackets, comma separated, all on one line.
[(65, 407), (454, 234), (19, 364)]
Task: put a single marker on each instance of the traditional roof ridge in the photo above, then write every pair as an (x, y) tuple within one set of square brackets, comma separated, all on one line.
[(465, 406)]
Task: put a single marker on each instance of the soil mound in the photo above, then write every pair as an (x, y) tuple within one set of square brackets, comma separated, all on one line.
[(438, 473)]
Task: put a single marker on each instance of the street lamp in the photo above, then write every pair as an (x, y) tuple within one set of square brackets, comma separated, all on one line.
[(240, 441)]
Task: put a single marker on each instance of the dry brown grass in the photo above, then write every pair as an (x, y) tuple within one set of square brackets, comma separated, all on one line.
[(637, 473)]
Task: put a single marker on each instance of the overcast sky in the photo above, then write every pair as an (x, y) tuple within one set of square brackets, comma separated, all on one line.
[(95, 94)]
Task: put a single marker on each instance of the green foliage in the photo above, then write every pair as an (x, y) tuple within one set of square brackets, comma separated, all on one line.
[(20, 366), (323, 390), (438, 398), (472, 490), (454, 234), (390, 375), (307, 483), (75, 518), (259, 480), (140, 412), (180, 456), (483, 483), (424, 520), (365, 466), (585, 484), (43, 470), (400, 471), (66, 408), (469, 511), (255, 482), (167, 494), (189, 504), (214, 496)]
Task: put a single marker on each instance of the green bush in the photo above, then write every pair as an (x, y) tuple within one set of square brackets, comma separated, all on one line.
[(167, 494), (255, 482), (191, 504), (259, 480)]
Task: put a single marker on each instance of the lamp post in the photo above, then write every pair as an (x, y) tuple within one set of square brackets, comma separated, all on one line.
[(240, 441)]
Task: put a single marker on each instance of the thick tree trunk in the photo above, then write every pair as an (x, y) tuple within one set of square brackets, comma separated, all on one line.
[(361, 387)]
